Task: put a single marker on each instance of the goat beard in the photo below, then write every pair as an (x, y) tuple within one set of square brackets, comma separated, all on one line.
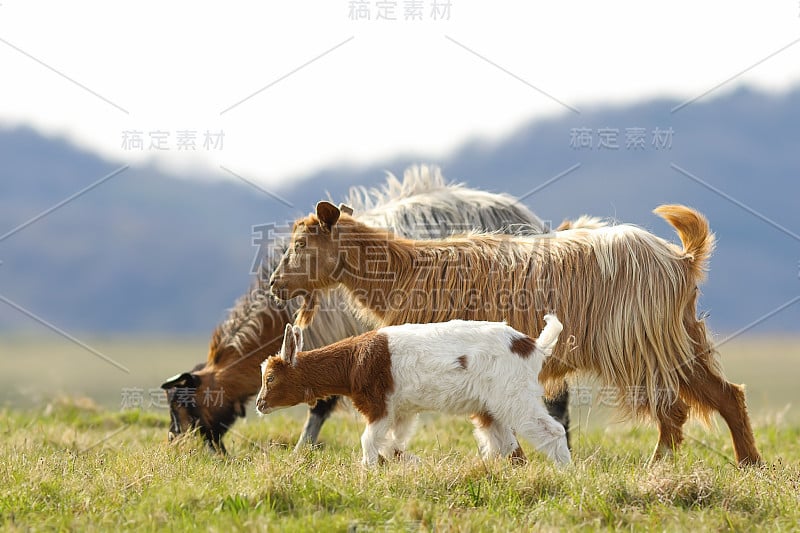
[(305, 315)]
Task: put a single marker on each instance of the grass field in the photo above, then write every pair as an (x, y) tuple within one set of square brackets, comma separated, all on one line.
[(73, 460)]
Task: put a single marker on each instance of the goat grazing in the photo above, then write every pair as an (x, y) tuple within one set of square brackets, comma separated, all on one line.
[(484, 369), (212, 395), (627, 297)]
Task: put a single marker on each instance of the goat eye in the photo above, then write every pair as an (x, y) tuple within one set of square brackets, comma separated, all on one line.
[(270, 378)]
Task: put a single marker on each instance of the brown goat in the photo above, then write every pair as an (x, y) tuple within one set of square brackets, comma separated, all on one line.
[(627, 299)]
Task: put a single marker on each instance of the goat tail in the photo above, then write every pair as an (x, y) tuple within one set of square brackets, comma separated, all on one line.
[(546, 341), (695, 234)]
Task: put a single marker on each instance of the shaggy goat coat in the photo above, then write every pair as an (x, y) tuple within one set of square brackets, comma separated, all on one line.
[(627, 298), (484, 369), (422, 205)]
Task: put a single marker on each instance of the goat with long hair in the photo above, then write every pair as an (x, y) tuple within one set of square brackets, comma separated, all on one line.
[(214, 394), (627, 299)]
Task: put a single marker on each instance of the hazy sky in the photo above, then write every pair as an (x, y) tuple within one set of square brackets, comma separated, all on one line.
[(298, 86)]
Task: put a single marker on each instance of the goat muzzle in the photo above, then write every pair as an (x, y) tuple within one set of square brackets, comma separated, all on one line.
[(278, 289), (262, 407)]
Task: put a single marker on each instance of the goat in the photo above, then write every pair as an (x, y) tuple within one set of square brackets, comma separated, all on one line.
[(484, 369), (627, 297), (422, 205)]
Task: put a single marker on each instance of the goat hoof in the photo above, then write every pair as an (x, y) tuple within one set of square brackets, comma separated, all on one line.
[(405, 457)]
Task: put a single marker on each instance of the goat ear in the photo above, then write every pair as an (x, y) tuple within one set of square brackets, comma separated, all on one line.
[(289, 344), (298, 337), (328, 214), (346, 209), (565, 225), (181, 380)]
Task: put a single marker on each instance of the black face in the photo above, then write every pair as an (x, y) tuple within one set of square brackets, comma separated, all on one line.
[(181, 395), (184, 412), (187, 414), (184, 417)]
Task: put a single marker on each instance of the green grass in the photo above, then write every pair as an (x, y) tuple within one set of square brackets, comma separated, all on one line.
[(73, 463), (77, 466)]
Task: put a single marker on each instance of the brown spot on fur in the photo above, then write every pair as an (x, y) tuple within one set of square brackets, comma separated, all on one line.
[(358, 367), (462, 361), (523, 346), (482, 420), (372, 376)]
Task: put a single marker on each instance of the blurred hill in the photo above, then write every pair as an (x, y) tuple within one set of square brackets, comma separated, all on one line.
[(149, 252)]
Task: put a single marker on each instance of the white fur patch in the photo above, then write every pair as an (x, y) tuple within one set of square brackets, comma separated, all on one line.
[(496, 382)]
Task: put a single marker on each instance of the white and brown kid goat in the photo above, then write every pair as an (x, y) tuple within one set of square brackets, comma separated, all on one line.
[(485, 369)]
